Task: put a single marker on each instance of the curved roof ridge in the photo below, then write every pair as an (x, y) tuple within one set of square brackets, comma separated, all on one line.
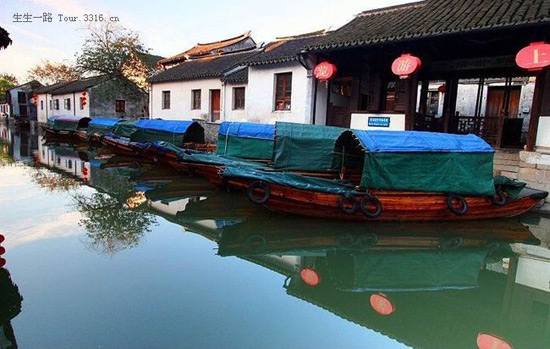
[(383, 10)]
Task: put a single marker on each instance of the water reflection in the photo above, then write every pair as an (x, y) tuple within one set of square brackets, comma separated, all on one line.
[(429, 285)]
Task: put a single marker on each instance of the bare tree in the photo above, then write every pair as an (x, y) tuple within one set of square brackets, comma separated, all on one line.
[(53, 72)]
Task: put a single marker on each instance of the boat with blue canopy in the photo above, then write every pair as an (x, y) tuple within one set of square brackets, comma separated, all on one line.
[(405, 176)]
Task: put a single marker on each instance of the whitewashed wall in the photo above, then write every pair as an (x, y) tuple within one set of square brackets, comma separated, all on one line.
[(228, 113), (261, 94), (543, 134), (75, 105), (180, 99)]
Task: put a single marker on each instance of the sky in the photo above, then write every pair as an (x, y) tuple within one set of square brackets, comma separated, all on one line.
[(167, 27)]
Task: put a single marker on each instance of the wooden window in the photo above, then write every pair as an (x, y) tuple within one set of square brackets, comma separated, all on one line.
[(56, 104), (51, 104), (120, 106), (165, 99), (67, 104), (195, 99), (283, 91), (69, 164), (238, 98), (41, 105)]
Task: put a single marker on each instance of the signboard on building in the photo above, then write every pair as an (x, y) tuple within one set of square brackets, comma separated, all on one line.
[(406, 65), (379, 121), (388, 122)]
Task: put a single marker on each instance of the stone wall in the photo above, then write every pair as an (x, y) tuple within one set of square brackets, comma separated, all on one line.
[(534, 169), (210, 130)]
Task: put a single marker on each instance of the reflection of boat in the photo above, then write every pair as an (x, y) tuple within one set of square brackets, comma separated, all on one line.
[(10, 307), (269, 234)]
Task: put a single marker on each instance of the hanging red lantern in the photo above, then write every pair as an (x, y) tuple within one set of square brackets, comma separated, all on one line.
[(442, 88), (324, 71), (84, 93), (310, 277), (2, 262), (406, 65), (534, 57), (381, 304), (34, 99)]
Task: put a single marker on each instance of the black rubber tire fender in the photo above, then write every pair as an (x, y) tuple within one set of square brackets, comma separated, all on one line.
[(342, 206), (452, 197), (258, 185), (373, 200)]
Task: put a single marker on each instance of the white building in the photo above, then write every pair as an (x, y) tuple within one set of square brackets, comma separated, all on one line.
[(97, 96), (205, 82), (280, 84)]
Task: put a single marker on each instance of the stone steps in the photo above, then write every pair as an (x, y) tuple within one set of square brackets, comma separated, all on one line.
[(507, 163)]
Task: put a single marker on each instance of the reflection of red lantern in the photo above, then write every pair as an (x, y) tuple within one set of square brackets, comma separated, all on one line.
[(406, 65), (324, 71), (534, 57), (84, 171), (381, 304), (487, 341), (310, 277)]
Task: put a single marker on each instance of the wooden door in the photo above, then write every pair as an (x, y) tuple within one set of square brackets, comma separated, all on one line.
[(495, 101), (214, 105)]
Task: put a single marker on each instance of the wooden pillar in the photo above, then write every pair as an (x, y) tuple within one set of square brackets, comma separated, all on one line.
[(449, 103), (541, 85)]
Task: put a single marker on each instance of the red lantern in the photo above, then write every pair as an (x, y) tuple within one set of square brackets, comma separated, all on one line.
[(534, 57), (324, 71), (34, 99), (406, 65), (2, 262), (381, 304), (84, 93), (310, 277), (487, 341), (2, 238), (84, 171)]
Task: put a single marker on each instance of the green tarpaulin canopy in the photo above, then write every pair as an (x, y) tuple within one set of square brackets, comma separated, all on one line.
[(125, 128), (68, 123), (305, 147), (289, 179), (416, 161), (246, 140)]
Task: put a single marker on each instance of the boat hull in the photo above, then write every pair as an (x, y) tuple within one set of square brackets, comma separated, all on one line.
[(396, 206)]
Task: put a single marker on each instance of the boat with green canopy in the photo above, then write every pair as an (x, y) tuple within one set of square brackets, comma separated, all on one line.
[(65, 126), (406, 176), (134, 137)]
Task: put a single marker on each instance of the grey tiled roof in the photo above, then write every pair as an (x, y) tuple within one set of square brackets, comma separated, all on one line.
[(239, 77), (211, 67), (79, 85), (433, 18), (52, 87), (281, 51)]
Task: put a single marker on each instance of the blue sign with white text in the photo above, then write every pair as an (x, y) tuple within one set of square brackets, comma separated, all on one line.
[(379, 121)]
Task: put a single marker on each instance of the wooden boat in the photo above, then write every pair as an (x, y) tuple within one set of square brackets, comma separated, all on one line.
[(136, 138), (66, 127), (97, 128), (447, 177)]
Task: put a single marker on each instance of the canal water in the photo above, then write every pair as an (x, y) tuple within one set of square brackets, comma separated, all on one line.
[(107, 252)]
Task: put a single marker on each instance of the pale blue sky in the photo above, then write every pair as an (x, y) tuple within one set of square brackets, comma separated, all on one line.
[(167, 27)]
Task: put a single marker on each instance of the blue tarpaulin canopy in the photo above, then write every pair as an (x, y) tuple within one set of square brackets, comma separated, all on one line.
[(420, 142), (171, 126), (107, 122), (249, 130)]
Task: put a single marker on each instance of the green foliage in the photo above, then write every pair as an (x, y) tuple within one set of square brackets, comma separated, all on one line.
[(7, 81)]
